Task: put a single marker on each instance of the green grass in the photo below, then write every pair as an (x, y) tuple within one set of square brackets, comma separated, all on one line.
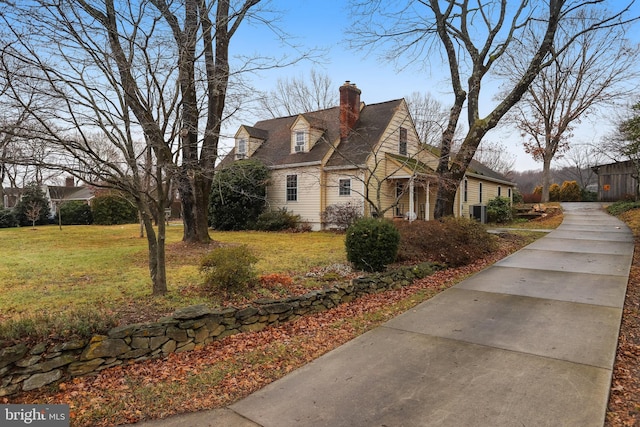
[(47, 271)]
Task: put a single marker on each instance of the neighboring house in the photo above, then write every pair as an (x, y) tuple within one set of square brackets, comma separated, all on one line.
[(617, 181), (56, 195), (368, 155)]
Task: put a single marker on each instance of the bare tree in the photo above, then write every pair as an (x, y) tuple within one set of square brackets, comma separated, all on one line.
[(578, 161), (474, 36), (299, 95), (596, 69), (429, 115), (495, 155), (112, 100)]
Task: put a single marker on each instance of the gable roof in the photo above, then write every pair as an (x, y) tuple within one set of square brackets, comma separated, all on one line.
[(275, 151), (367, 132)]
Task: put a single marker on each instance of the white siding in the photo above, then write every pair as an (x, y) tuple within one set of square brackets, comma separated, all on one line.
[(309, 190)]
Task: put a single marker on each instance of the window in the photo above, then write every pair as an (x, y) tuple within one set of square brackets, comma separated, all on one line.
[(499, 191), (345, 187), (480, 192), (466, 191), (292, 188), (508, 192), (300, 142), (402, 148), (242, 148)]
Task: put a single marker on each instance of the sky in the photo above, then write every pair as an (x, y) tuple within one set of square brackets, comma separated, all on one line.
[(322, 24)]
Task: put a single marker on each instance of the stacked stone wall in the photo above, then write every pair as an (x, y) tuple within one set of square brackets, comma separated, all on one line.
[(24, 368)]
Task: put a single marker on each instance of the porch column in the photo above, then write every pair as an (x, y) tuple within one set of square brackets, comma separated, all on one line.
[(426, 204), (411, 204)]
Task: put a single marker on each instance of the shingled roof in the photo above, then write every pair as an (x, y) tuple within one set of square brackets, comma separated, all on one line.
[(276, 135)]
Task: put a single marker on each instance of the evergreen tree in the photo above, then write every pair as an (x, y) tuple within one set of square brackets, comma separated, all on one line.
[(33, 207)]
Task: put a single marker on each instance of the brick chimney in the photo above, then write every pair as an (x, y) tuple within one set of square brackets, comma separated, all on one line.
[(69, 181), (349, 108)]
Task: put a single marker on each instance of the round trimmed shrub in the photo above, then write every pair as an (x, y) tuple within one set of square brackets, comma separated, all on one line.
[(372, 243)]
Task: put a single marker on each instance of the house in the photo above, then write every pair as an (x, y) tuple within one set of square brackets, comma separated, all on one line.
[(367, 155), (55, 194), (617, 181)]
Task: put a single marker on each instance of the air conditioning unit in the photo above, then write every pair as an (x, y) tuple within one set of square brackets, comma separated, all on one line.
[(479, 212)]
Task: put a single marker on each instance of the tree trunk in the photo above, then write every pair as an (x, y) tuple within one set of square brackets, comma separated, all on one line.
[(546, 179), (446, 195)]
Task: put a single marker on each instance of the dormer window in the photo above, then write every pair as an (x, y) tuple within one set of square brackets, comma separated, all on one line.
[(301, 142), (241, 152)]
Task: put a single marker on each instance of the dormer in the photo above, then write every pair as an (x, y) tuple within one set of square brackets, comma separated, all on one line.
[(248, 139), (305, 132)]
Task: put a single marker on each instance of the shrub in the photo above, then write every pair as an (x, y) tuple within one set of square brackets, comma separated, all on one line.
[(112, 209), (343, 215), (531, 197), (570, 192), (554, 193), (274, 280), (7, 218), (588, 195), (277, 220), (75, 212), (372, 243), (499, 210), (229, 269), (620, 207), (452, 241), (238, 195), (517, 196)]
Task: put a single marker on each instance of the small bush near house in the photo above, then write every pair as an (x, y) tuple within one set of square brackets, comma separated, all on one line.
[(499, 210), (342, 215), (452, 241), (111, 209), (229, 269), (278, 220), (570, 192), (75, 212), (372, 244), (7, 218)]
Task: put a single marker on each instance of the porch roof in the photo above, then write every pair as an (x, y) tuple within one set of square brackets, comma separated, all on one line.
[(410, 167)]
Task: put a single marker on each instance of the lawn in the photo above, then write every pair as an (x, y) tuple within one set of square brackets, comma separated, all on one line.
[(103, 269)]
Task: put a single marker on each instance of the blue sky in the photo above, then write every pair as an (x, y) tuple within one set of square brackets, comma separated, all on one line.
[(322, 24)]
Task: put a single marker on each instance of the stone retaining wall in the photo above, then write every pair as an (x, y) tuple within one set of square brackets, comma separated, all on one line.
[(24, 368)]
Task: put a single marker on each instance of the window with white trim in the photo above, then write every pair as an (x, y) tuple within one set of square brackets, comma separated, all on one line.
[(242, 148), (402, 145), (480, 192), (292, 188), (344, 187), (301, 138), (499, 191)]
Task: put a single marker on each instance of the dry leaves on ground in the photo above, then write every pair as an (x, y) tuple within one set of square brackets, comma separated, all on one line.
[(232, 368)]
